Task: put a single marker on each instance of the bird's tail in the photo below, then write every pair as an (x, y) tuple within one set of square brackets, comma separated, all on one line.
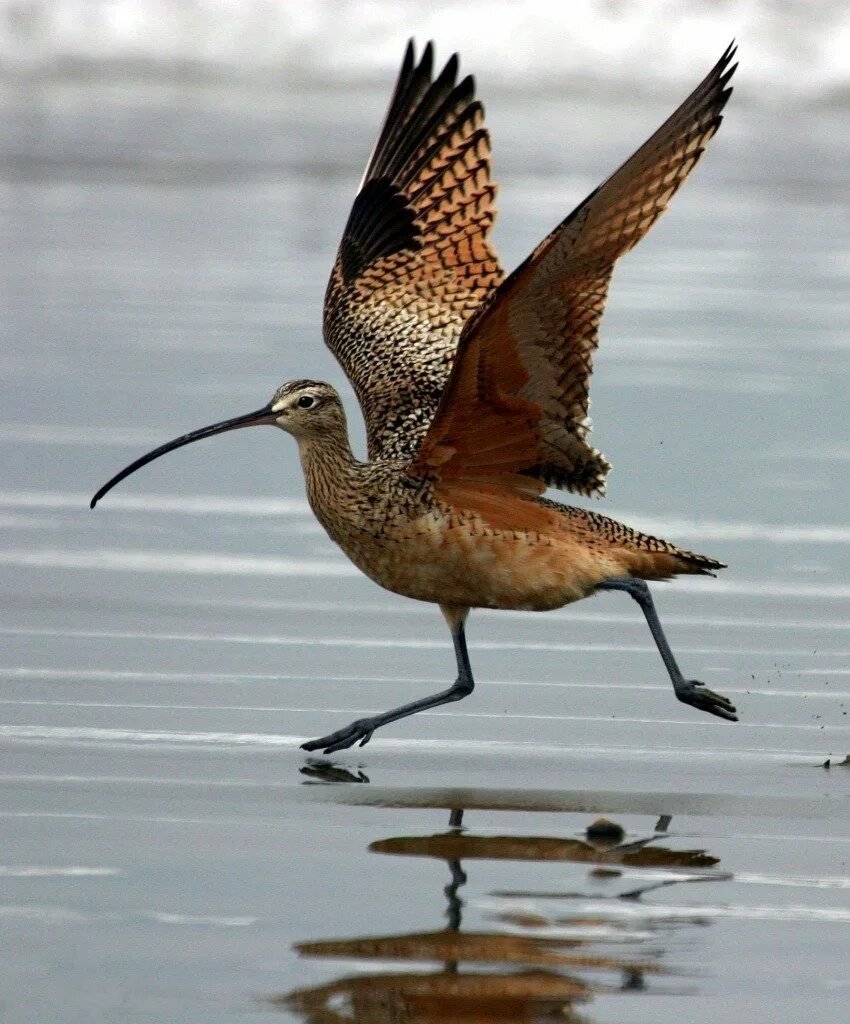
[(653, 559), (642, 555)]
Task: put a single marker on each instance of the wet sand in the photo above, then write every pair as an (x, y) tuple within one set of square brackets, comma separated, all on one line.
[(169, 852)]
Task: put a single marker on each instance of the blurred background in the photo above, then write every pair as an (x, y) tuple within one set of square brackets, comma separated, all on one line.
[(794, 49), (174, 178)]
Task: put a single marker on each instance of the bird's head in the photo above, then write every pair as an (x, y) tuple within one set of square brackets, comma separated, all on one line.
[(307, 409)]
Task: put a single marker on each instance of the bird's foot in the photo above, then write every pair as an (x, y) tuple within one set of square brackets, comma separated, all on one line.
[(689, 691), (361, 730)]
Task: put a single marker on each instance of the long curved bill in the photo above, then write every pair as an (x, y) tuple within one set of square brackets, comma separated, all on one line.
[(251, 419)]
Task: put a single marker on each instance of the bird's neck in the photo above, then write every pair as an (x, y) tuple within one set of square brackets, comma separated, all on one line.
[(331, 472)]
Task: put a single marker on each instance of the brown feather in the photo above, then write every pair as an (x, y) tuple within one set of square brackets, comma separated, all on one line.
[(415, 261), (522, 372)]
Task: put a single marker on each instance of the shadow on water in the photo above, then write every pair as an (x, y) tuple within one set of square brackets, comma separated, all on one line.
[(531, 965)]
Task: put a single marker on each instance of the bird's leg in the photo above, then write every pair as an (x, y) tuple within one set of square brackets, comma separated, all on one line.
[(363, 728), (689, 691)]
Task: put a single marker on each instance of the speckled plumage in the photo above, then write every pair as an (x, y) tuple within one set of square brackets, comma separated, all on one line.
[(474, 387), (415, 262), (416, 281), (477, 548)]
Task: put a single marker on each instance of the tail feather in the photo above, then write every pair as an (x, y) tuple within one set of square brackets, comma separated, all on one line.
[(650, 558), (643, 555), (699, 565)]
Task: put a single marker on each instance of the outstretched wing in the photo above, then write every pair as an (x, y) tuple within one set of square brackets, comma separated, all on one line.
[(414, 263), (517, 399)]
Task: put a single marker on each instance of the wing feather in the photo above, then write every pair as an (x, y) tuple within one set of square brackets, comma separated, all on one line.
[(415, 262), (518, 397)]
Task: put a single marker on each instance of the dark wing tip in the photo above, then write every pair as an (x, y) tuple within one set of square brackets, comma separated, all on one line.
[(464, 91), (725, 58), (449, 72), (409, 56), (426, 64), (721, 74), (713, 88)]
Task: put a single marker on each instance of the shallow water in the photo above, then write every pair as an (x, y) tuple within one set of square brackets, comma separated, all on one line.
[(169, 852)]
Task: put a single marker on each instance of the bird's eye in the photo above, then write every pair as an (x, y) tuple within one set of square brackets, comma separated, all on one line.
[(306, 402)]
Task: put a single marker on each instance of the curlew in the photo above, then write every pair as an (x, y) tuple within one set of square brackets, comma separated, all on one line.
[(474, 385)]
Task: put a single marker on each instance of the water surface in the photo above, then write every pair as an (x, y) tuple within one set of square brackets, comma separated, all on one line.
[(169, 852)]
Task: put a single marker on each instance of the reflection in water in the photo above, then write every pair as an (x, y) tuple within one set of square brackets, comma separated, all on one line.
[(536, 968), (326, 771)]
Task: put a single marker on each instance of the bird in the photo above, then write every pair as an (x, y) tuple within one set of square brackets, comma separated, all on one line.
[(473, 383)]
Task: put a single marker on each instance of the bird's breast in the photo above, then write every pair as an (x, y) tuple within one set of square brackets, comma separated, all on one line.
[(430, 552)]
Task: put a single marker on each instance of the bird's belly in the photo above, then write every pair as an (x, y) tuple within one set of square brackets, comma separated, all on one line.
[(430, 560)]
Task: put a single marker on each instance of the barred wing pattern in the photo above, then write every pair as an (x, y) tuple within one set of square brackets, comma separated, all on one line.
[(414, 263), (517, 400)]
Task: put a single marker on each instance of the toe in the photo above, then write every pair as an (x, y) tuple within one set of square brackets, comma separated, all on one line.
[(343, 738), (341, 744), (700, 697), (722, 710), (325, 743)]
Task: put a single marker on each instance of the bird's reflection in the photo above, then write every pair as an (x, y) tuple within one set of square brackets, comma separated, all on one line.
[(534, 966), (327, 771)]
